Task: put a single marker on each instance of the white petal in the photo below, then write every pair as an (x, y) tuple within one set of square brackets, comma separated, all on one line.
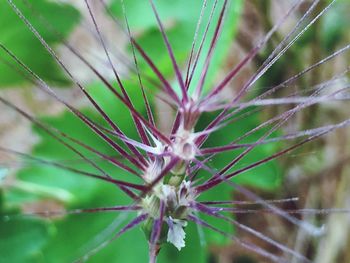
[(176, 234)]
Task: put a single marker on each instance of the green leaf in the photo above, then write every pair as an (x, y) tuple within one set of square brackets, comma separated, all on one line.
[(21, 41), (22, 240)]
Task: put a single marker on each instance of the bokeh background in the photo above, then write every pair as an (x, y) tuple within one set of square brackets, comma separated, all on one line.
[(318, 173)]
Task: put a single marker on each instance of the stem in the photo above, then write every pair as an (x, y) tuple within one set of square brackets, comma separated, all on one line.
[(153, 252)]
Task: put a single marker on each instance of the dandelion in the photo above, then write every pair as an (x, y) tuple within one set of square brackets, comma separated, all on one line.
[(165, 176)]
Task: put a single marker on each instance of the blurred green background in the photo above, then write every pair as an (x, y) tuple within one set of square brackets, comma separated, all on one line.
[(30, 187)]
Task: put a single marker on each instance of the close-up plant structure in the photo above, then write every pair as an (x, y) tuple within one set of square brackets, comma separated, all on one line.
[(174, 131)]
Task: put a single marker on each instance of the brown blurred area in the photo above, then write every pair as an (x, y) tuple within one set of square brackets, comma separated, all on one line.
[(318, 174)]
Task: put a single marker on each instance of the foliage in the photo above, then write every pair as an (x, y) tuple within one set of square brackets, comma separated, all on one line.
[(15, 34)]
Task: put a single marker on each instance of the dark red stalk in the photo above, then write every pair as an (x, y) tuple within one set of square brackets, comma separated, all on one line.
[(133, 223), (127, 32), (94, 103), (309, 101), (261, 71), (310, 229), (204, 5), (138, 124), (148, 131), (149, 61), (222, 116), (81, 211), (52, 132), (218, 28), (213, 212), (155, 234), (176, 123), (166, 84), (290, 136), (53, 54), (244, 244), (201, 44), (221, 179), (146, 102), (171, 54), (251, 54), (235, 202), (284, 118), (121, 184), (284, 84), (89, 123), (306, 211)]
